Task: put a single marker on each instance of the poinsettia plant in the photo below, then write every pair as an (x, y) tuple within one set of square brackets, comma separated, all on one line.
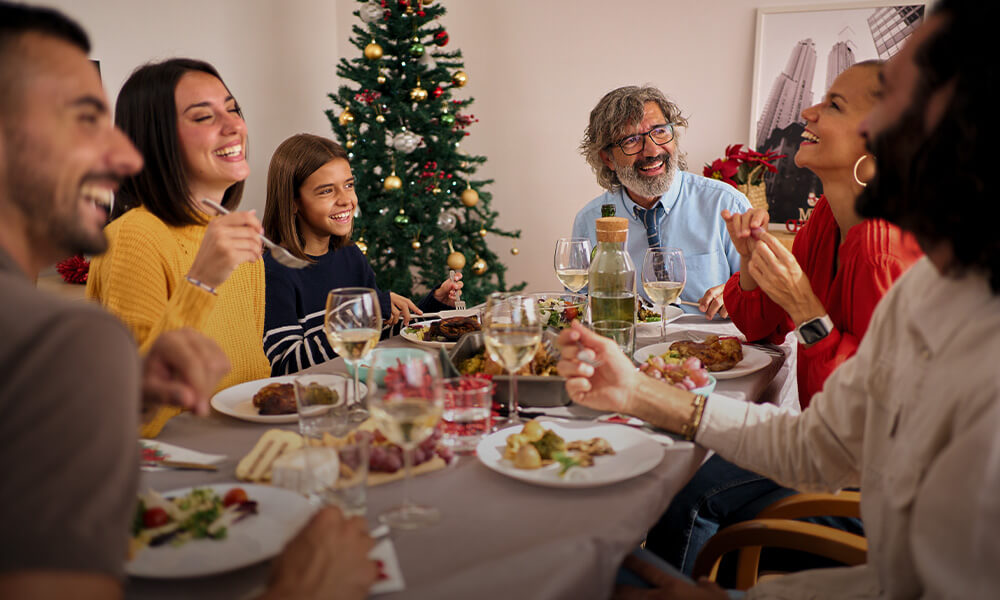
[(742, 166)]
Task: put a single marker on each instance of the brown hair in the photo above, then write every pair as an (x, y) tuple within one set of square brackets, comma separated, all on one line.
[(147, 112), (293, 161)]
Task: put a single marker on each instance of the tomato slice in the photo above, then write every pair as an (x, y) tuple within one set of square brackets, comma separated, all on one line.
[(234, 496), (155, 517)]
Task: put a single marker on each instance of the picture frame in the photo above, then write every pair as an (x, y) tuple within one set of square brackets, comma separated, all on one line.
[(798, 52)]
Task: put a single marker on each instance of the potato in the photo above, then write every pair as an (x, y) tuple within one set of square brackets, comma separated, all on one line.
[(514, 443), (533, 430), (527, 457)]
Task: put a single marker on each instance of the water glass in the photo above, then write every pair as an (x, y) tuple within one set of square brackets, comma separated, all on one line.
[(466, 416), (622, 332)]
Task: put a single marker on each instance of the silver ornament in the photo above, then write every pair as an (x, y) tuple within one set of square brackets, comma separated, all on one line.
[(405, 141), (370, 12), (446, 221)]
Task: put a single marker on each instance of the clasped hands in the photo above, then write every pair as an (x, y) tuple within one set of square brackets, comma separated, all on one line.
[(768, 264)]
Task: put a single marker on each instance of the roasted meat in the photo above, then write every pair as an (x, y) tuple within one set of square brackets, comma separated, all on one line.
[(275, 399), (717, 354), (451, 329)]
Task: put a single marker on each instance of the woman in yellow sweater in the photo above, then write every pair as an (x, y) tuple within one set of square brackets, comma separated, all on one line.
[(171, 263)]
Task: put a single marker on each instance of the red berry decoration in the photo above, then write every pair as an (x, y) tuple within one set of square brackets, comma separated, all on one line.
[(74, 269), (441, 38), (437, 92), (403, 3)]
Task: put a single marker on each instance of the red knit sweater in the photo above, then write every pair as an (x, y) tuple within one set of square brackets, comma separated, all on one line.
[(874, 254)]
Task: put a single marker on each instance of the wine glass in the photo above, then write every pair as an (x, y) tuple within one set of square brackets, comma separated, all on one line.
[(663, 278), (572, 262), (512, 330), (353, 324), (406, 398)]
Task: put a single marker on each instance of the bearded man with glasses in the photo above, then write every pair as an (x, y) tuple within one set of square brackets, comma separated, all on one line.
[(631, 144)]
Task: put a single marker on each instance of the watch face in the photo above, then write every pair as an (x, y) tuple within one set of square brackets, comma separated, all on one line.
[(813, 331)]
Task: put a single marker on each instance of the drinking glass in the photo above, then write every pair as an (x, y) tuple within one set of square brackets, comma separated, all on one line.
[(353, 324), (466, 417), (572, 262), (663, 278), (406, 403), (512, 330), (622, 332)]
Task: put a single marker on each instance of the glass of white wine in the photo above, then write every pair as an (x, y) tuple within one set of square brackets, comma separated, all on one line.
[(353, 324), (663, 278), (406, 398), (512, 329), (572, 262)]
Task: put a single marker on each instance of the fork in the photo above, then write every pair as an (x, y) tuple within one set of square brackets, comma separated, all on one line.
[(459, 303), (281, 255)]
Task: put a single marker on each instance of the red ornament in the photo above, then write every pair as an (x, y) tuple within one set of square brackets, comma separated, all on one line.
[(403, 3), (74, 269), (437, 92), (421, 13), (441, 38)]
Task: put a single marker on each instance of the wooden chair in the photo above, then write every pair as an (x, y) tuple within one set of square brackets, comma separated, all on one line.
[(775, 527)]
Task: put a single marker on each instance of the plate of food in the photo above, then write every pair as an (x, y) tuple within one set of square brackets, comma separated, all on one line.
[(440, 333), (271, 400), (648, 320), (723, 357), (570, 455), (687, 373), (558, 310), (193, 532)]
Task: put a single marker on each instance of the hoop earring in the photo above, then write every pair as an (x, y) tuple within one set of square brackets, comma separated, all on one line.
[(856, 165)]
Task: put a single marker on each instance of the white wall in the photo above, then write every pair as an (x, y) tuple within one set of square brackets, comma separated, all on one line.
[(536, 68)]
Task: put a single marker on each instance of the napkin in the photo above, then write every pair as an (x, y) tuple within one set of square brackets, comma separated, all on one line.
[(390, 577), (154, 451)]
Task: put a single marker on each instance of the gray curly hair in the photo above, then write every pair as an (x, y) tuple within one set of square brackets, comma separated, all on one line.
[(617, 110)]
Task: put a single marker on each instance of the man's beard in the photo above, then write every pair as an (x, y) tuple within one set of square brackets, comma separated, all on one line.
[(890, 194), (52, 213), (648, 187)]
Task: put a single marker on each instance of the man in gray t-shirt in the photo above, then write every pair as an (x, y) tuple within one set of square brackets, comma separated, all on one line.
[(71, 383)]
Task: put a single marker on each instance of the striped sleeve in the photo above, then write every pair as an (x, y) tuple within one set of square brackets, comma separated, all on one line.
[(294, 346)]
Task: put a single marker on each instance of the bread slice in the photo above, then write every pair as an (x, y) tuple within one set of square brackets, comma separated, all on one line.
[(257, 465)]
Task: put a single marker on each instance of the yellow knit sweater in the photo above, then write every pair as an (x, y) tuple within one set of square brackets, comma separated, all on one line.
[(141, 280)]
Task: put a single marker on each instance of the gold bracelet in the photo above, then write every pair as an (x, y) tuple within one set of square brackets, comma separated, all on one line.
[(689, 429)]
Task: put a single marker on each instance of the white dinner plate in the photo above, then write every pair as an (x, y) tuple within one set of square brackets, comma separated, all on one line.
[(410, 337), (635, 453), (753, 360), (237, 401), (280, 515), (653, 327)]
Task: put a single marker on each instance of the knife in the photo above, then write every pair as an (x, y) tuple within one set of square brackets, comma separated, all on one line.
[(177, 464)]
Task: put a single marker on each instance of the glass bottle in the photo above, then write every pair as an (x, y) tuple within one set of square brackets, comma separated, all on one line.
[(612, 274)]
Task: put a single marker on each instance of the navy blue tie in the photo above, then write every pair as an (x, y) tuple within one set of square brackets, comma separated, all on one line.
[(650, 218)]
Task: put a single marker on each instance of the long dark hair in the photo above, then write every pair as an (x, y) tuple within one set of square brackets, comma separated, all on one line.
[(934, 183), (147, 112), (292, 163)]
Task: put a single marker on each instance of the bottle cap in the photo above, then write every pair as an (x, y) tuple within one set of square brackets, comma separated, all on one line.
[(612, 229)]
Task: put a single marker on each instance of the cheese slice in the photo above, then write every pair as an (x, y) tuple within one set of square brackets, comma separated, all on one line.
[(257, 465)]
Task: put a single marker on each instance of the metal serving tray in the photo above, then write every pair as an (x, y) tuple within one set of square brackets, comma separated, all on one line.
[(533, 390)]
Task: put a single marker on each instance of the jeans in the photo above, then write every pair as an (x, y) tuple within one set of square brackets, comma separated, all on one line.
[(721, 494)]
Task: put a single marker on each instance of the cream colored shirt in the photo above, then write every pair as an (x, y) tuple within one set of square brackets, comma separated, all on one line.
[(913, 420)]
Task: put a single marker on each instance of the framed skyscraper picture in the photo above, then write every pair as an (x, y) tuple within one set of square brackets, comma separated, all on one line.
[(799, 52)]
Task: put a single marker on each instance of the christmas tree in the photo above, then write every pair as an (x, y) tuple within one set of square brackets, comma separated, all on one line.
[(422, 210)]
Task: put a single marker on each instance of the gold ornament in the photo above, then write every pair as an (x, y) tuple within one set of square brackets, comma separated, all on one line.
[(515, 251), (482, 232), (392, 183), (362, 245), (456, 260), (459, 78), (345, 117), (426, 2), (470, 197), (380, 79), (418, 94), (373, 51), (436, 190), (349, 144), (415, 244), (380, 118), (479, 266)]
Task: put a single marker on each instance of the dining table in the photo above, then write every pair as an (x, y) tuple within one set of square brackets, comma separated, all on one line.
[(498, 537)]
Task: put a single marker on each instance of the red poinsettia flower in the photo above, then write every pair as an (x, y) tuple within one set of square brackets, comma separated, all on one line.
[(723, 170)]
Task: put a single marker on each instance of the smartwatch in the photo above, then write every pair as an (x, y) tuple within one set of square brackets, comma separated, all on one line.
[(814, 330)]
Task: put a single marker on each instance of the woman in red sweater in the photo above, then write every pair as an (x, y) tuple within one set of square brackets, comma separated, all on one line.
[(840, 265), (839, 268)]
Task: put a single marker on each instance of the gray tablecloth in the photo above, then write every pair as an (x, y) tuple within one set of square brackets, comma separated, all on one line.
[(498, 537)]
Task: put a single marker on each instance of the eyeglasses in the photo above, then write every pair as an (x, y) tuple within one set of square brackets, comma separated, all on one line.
[(633, 144)]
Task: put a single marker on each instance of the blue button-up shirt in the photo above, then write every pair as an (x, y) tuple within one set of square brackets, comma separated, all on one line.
[(690, 222)]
